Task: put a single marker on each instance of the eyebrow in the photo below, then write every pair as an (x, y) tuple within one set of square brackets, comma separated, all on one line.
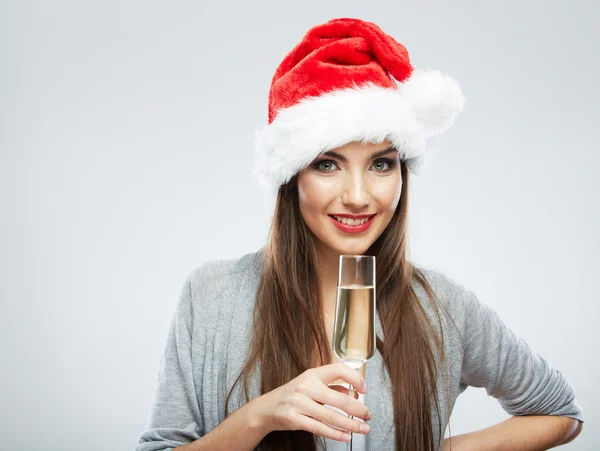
[(381, 153)]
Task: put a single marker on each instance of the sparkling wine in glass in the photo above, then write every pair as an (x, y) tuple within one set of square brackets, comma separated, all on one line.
[(354, 323)]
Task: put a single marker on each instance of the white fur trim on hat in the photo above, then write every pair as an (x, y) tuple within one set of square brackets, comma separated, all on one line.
[(435, 98), (425, 104)]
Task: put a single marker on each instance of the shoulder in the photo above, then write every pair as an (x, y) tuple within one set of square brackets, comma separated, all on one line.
[(214, 274), (446, 287), (216, 289), (452, 297), (208, 279)]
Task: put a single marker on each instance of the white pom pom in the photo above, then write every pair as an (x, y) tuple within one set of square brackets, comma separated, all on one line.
[(435, 98)]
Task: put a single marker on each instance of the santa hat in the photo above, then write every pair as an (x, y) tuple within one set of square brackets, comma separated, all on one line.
[(349, 81)]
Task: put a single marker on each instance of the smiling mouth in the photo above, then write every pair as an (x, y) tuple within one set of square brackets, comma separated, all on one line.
[(350, 221), (355, 225)]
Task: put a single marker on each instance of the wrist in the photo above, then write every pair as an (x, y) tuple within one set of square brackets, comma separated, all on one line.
[(257, 417)]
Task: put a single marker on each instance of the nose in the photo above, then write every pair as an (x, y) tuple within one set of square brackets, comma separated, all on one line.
[(355, 192)]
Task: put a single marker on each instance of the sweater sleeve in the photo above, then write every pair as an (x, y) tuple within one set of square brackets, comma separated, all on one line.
[(175, 416), (494, 358)]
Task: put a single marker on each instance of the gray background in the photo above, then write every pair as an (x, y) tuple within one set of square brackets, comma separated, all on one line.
[(126, 150)]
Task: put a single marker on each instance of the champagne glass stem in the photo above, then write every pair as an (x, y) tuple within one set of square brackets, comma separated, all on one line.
[(349, 447)]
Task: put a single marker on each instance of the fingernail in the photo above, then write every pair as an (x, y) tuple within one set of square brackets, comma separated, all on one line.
[(364, 387), (346, 437), (364, 428), (369, 416)]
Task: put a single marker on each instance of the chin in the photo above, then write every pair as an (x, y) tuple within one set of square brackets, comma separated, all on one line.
[(353, 249)]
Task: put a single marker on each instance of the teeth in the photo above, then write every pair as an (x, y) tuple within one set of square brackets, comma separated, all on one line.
[(351, 222)]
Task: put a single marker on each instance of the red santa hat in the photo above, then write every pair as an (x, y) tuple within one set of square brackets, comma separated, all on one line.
[(349, 81)]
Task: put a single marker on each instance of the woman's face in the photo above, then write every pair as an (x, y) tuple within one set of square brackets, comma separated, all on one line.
[(351, 184)]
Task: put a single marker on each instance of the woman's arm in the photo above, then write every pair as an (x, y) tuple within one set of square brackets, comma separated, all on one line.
[(523, 433), (176, 419), (297, 405), (241, 431), (540, 399)]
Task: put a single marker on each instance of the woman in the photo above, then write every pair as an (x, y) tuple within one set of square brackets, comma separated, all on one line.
[(248, 360)]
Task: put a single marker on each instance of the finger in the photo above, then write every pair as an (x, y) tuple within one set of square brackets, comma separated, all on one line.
[(331, 372), (332, 417), (344, 391), (311, 425), (326, 395)]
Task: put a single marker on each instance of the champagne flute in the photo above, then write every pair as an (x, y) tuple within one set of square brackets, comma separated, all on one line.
[(354, 323)]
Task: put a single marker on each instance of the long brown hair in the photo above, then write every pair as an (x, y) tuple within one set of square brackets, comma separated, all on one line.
[(289, 336)]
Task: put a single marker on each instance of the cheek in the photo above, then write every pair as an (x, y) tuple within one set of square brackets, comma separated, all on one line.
[(388, 194), (313, 196)]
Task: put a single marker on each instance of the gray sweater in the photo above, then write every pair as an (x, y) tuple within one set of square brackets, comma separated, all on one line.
[(210, 332)]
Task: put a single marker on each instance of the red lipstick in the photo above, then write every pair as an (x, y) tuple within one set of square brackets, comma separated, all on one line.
[(350, 228)]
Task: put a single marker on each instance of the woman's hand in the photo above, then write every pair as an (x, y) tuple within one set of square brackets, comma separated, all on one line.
[(298, 405)]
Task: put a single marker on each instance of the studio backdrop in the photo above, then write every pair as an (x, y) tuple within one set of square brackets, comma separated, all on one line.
[(126, 147)]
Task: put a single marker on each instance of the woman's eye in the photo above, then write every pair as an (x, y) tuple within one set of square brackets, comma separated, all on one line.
[(330, 165), (325, 165), (382, 165)]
